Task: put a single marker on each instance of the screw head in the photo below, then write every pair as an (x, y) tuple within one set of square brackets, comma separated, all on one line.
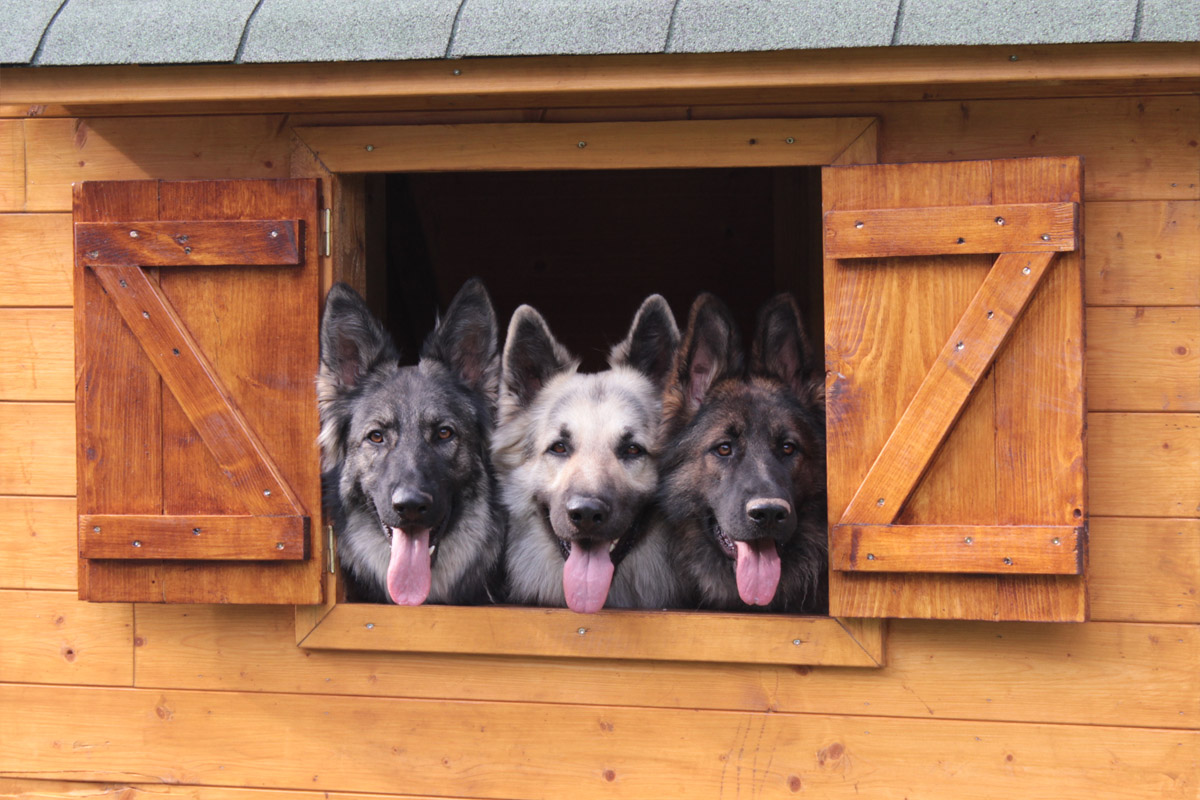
[(146, 314), (581, 145), (195, 531), (858, 224), (969, 540), (1045, 237), (279, 545), (1008, 562), (274, 234), (1026, 271), (187, 251), (458, 72), (133, 234), (370, 147), (870, 556), (991, 314), (266, 492), (879, 502), (796, 642), (136, 543), (175, 351), (790, 140), (581, 631), (93, 254), (1056, 540), (959, 346), (124, 285), (96, 528), (999, 220), (370, 625), (1013, 57)]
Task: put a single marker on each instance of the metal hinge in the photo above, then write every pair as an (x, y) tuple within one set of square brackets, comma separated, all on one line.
[(327, 233), (329, 549)]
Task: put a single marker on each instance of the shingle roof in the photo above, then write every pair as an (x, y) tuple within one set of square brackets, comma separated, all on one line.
[(44, 32)]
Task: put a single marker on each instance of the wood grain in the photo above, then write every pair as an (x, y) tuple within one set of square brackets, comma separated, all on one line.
[(32, 789), (1143, 253), (1018, 550), (951, 230), (1034, 672), (65, 151), (1143, 359), (286, 741), (12, 164), (1146, 570), (37, 355), (35, 259), (1144, 465), (552, 632), (223, 538), (189, 243), (592, 145), (37, 543), (51, 637), (37, 452)]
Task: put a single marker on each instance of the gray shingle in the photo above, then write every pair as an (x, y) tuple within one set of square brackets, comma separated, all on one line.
[(138, 32), (1170, 21), (23, 23), (335, 30), (552, 27), (717, 26), (1016, 21)]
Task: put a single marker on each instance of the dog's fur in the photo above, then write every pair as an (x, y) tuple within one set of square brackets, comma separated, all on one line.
[(744, 469), (408, 481), (577, 459)]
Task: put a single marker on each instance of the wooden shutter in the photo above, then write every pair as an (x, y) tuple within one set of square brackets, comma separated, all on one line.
[(196, 308), (954, 350)]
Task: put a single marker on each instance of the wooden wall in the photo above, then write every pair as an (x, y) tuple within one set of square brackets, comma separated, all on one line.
[(217, 703)]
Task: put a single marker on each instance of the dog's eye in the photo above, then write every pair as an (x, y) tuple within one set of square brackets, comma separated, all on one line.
[(376, 437), (788, 448), (558, 448), (632, 450), (724, 449), (445, 432)]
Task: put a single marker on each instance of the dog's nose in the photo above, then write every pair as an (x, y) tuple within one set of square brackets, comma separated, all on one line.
[(413, 507), (587, 513), (768, 513)]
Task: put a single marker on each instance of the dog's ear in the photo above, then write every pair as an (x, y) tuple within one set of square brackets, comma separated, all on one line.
[(650, 345), (467, 340), (782, 351), (711, 350), (531, 357), (353, 342)]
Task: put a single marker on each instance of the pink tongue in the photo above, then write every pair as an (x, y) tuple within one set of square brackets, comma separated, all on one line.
[(757, 571), (408, 575), (586, 577)]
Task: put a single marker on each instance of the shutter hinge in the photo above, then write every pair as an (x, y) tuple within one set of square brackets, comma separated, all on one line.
[(327, 232), (329, 549)]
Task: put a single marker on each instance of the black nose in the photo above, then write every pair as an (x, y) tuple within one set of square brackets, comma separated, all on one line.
[(587, 513), (768, 513), (413, 507)]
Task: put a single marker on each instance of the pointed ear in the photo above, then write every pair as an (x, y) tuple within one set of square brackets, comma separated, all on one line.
[(650, 345), (353, 342), (711, 350), (531, 357), (781, 349), (467, 340)]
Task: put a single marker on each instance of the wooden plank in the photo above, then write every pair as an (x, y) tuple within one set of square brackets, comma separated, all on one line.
[(37, 449), (1145, 570), (483, 749), (33, 789), (51, 637), (951, 230), (1144, 465), (190, 376), (1143, 253), (216, 538), (996, 549), (583, 145), (1034, 673), (965, 357), (37, 543), (37, 354), (917, 73), (1143, 359), (65, 151), (189, 243), (12, 164), (35, 259), (553, 632)]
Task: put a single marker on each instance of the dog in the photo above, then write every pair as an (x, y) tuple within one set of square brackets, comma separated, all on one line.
[(577, 460), (405, 452), (743, 476)]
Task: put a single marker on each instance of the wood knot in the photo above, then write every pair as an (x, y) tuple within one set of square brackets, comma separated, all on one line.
[(831, 753), (794, 783), (609, 775)]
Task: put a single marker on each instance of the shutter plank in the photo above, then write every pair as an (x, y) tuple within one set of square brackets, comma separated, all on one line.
[(953, 230), (989, 549), (222, 538), (189, 243)]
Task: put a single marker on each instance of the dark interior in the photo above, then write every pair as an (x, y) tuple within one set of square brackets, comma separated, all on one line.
[(585, 248)]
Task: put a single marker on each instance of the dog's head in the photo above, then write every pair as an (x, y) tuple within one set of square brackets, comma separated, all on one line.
[(580, 451), (411, 440), (747, 453)]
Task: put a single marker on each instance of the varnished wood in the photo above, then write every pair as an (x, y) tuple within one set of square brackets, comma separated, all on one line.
[(36, 354), (223, 538), (52, 637), (1144, 570), (1018, 550), (1143, 253), (968, 353), (591, 145), (189, 243), (37, 454), (1166, 451), (35, 259), (12, 164), (34, 789), (1143, 359), (552, 632), (277, 739), (951, 230), (37, 543)]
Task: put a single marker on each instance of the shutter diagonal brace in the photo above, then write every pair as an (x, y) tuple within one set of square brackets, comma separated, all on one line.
[(198, 388)]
